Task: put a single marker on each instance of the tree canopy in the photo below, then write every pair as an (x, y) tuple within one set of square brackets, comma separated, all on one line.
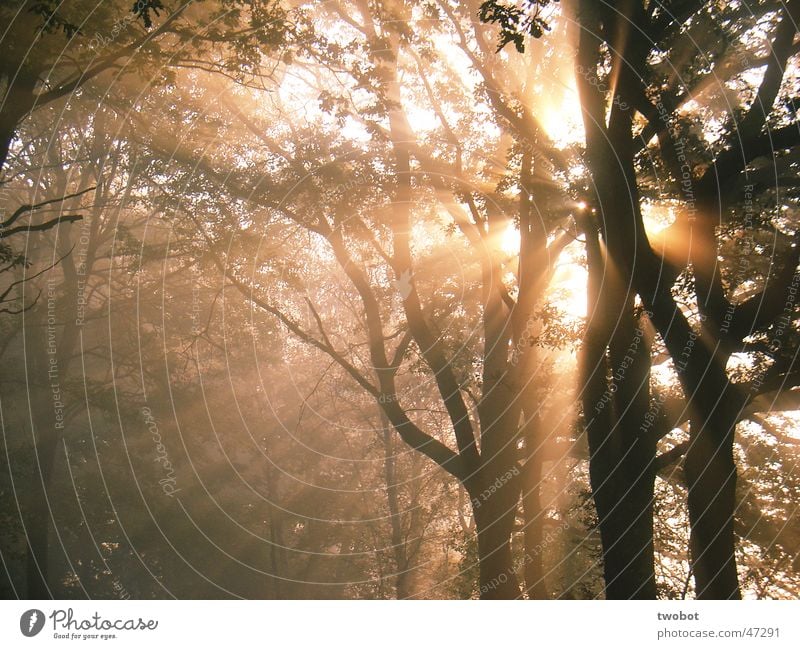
[(400, 299)]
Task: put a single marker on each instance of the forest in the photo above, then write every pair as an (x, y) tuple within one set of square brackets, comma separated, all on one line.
[(394, 299)]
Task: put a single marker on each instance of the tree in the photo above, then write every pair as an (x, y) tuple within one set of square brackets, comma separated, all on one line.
[(616, 77), (700, 357), (318, 332), (51, 50), (375, 253), (118, 42)]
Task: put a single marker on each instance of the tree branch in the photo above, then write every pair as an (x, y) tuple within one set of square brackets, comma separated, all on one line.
[(31, 208), (41, 227)]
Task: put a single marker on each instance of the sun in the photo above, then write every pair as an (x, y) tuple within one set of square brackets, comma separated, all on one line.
[(510, 240), (562, 122), (569, 277)]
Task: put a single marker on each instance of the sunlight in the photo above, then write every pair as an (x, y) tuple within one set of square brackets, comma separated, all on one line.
[(510, 241), (562, 124), (376, 304), (570, 282), (666, 237), (569, 277), (657, 216), (560, 114)]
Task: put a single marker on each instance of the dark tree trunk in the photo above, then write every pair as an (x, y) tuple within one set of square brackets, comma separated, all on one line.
[(17, 102), (710, 468), (6, 137), (403, 581), (621, 447), (533, 530), (495, 495), (715, 407), (493, 524), (622, 479), (711, 479)]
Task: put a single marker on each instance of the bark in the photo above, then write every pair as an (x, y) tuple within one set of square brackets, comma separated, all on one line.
[(18, 101), (7, 130), (710, 470), (403, 576), (536, 264), (533, 515), (278, 561), (494, 519), (711, 478), (494, 495), (622, 448)]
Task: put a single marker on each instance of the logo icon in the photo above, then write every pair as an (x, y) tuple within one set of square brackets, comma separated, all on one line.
[(403, 284), (31, 622)]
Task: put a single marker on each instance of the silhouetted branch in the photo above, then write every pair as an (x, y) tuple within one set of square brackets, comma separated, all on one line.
[(36, 206), (41, 227)]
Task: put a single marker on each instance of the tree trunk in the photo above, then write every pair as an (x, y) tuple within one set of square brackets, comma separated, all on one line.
[(710, 469), (533, 530), (493, 525), (711, 479), (403, 581), (621, 447), (17, 102)]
